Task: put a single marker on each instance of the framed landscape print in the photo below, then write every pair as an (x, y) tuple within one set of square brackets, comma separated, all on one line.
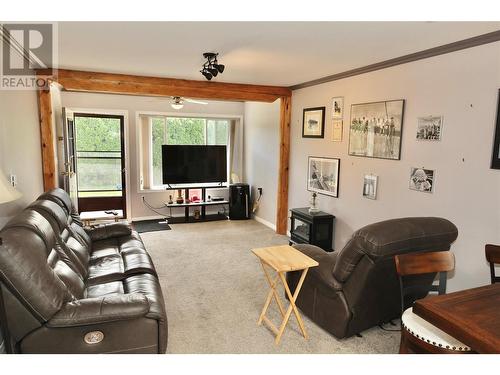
[(422, 180), (313, 125), (338, 107), (429, 128), (495, 159), (323, 175), (376, 129)]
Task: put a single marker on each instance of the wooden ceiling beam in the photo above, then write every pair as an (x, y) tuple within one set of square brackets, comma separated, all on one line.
[(81, 81)]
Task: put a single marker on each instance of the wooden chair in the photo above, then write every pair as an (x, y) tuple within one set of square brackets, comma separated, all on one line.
[(418, 335), (493, 256)]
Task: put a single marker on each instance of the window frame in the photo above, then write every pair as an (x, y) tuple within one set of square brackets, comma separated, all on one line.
[(151, 115)]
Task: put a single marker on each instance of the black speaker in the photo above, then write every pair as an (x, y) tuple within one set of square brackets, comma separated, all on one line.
[(239, 201)]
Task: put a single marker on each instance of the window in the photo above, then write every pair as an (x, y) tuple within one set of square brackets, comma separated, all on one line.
[(99, 155), (184, 131)]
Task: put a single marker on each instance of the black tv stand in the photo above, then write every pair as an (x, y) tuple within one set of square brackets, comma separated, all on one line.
[(203, 203)]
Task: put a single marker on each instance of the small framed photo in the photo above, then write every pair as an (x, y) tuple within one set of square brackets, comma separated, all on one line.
[(429, 128), (422, 180), (313, 125), (370, 183), (323, 176), (338, 107), (337, 130)]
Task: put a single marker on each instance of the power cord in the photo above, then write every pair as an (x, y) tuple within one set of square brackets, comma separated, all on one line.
[(154, 209)]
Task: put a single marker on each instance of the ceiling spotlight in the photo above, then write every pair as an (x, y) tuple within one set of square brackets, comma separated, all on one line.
[(211, 67), (206, 74)]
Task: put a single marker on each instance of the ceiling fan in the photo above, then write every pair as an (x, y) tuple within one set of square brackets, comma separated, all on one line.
[(178, 102)]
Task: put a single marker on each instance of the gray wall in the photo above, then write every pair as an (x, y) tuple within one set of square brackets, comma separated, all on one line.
[(463, 87), (261, 155), (20, 152), (131, 105)]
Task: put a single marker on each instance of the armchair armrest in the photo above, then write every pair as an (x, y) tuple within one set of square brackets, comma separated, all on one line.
[(326, 260), (100, 310), (112, 230)]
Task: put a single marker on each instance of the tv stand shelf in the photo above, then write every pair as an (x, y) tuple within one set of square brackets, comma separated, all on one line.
[(203, 203), (194, 204)]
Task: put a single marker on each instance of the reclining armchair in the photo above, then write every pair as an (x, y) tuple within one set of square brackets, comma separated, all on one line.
[(357, 288)]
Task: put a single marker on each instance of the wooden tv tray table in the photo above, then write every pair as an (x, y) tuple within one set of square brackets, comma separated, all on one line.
[(471, 316), (283, 259), (88, 217)]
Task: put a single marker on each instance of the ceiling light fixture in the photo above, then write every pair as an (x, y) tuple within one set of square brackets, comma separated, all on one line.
[(211, 67), (177, 103)]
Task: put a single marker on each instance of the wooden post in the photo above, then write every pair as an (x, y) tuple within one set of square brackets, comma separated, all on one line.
[(282, 201), (47, 140)]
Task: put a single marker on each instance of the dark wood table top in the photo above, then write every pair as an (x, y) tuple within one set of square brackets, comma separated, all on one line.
[(471, 316)]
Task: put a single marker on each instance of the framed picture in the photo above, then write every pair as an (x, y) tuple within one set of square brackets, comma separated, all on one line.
[(376, 129), (338, 107), (429, 128), (313, 125), (495, 159), (337, 130), (370, 183), (323, 175), (422, 180)]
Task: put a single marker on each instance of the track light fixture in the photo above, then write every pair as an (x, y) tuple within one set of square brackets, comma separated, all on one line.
[(211, 67)]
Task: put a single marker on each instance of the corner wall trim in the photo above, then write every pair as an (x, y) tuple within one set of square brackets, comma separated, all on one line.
[(425, 54)]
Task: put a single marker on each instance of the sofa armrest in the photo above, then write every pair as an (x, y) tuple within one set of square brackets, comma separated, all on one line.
[(101, 310), (106, 231)]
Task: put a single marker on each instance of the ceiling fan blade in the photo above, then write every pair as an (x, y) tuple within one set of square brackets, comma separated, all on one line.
[(195, 101)]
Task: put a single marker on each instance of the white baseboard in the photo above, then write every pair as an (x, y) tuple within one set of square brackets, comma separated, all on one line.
[(143, 218), (265, 222)]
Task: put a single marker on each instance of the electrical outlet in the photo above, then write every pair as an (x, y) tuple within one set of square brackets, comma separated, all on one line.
[(13, 180)]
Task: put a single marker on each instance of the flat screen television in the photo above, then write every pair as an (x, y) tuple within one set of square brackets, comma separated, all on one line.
[(193, 164)]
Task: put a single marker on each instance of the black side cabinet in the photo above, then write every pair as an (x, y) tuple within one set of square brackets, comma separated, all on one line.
[(315, 229)]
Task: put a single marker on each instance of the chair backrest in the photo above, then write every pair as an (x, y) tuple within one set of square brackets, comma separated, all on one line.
[(493, 257), (419, 264)]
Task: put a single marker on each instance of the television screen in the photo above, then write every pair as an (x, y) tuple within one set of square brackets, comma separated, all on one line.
[(193, 164)]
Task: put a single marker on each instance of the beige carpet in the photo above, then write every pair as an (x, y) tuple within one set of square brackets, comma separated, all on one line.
[(214, 290)]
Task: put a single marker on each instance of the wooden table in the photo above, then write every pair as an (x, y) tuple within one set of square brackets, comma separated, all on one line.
[(283, 259), (88, 216), (471, 316)]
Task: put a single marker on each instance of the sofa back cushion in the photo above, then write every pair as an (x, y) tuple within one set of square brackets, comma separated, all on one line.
[(397, 236), (30, 266), (62, 198)]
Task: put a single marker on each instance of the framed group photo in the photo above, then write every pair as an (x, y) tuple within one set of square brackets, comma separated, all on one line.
[(313, 123), (429, 128), (323, 175), (376, 129)]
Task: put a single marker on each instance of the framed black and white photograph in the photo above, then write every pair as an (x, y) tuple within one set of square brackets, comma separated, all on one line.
[(323, 175), (313, 125), (422, 180), (337, 126), (370, 183), (376, 129), (338, 107), (495, 159), (429, 128)]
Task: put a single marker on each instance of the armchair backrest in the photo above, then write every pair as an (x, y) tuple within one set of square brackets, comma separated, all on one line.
[(391, 237)]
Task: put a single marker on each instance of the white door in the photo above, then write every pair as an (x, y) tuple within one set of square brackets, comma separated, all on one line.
[(70, 177)]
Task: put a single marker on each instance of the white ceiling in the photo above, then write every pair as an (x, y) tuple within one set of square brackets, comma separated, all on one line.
[(273, 53)]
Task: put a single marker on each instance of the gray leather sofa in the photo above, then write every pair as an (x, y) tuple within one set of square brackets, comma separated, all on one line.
[(357, 288), (71, 290)]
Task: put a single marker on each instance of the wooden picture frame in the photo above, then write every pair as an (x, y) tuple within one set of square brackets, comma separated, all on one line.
[(495, 157), (323, 175), (313, 122)]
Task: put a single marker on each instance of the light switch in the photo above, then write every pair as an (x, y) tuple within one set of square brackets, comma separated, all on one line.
[(13, 180)]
